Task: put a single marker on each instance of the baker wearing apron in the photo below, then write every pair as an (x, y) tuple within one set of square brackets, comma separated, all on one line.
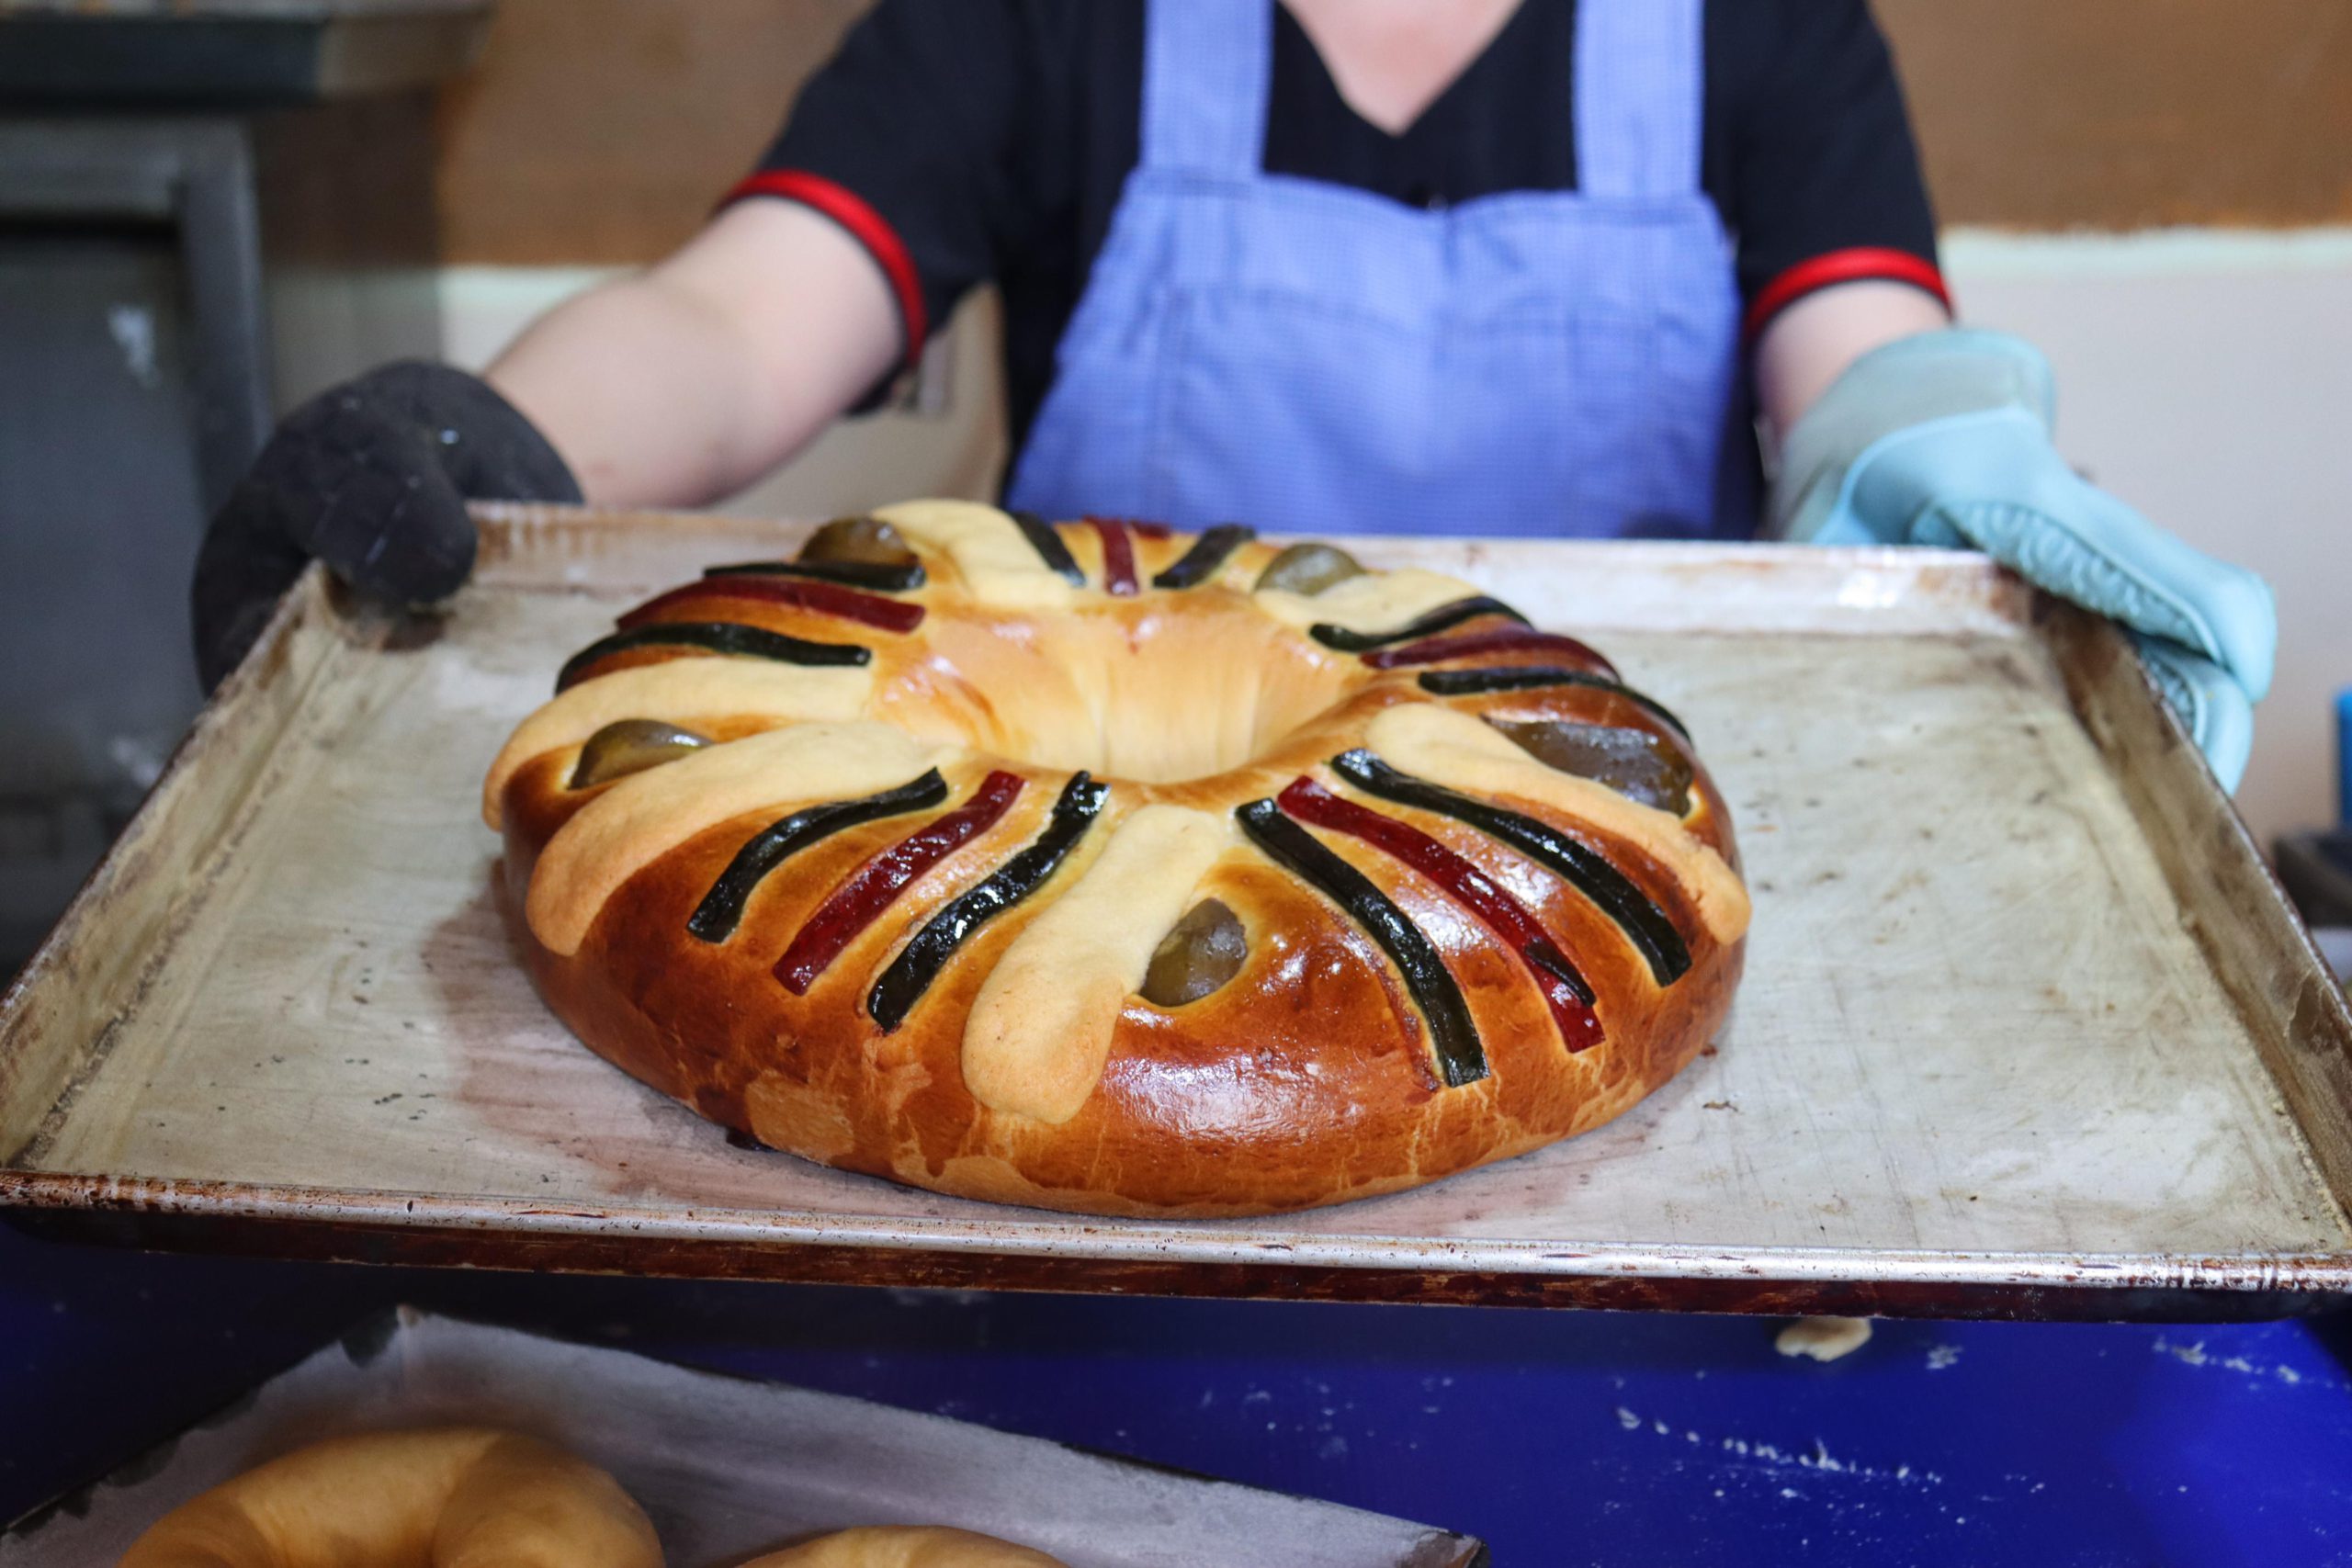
[(1313, 358), (1303, 356)]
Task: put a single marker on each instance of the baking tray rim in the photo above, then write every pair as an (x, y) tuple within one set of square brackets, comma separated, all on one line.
[(1084, 1242), (1089, 1255)]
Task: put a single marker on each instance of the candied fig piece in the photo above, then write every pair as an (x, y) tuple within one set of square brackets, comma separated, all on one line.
[(1200, 953), (865, 541), (630, 746), (1635, 763), (1310, 569)]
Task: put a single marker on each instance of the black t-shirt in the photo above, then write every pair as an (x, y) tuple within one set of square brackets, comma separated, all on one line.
[(963, 140)]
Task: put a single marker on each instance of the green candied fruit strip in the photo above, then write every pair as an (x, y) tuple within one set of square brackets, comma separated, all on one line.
[(860, 541), (630, 746), (713, 637), (1308, 569), (1583, 868), (1443, 618), (1043, 539), (721, 909), (919, 962), (1208, 555), (1639, 764), (1459, 1058), (1535, 677), (1200, 954)]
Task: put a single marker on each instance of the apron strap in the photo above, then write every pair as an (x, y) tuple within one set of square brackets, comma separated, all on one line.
[(1640, 86), (1205, 64)]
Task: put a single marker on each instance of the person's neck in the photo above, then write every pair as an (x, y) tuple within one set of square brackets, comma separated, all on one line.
[(1392, 59)]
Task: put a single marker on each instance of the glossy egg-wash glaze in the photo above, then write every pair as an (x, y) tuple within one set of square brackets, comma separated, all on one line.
[(1305, 1079)]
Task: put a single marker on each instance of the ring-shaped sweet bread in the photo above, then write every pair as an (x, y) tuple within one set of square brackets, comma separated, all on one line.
[(1104, 867)]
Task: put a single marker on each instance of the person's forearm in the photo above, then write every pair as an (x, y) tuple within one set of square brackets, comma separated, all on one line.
[(651, 399), (682, 385), (1810, 344)]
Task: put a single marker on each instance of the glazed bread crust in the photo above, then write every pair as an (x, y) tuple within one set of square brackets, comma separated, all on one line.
[(882, 1546), (450, 1498), (1313, 1076)]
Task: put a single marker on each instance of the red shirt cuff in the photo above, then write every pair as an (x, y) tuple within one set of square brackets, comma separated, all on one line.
[(1856, 264), (867, 226)]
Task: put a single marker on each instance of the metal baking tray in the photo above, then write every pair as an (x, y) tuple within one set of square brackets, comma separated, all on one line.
[(726, 1468), (2028, 1030)]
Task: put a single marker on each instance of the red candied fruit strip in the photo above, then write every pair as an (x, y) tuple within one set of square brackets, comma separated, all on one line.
[(864, 893), (1566, 991), (823, 598), (1139, 528), (1118, 556), (1508, 640)]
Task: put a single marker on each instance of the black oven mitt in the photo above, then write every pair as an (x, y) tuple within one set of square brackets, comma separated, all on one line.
[(372, 478)]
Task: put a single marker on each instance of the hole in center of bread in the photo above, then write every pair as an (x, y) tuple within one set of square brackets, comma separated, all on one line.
[(1167, 688)]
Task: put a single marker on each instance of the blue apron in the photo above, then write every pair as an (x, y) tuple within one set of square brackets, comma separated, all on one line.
[(1312, 359)]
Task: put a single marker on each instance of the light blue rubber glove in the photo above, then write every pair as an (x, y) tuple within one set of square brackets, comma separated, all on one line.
[(1945, 439)]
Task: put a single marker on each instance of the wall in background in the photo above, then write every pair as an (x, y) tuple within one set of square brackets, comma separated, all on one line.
[(2205, 376), (601, 130), (2130, 114)]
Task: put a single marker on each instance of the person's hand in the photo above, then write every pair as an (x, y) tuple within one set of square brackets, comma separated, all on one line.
[(1945, 439), (372, 478)]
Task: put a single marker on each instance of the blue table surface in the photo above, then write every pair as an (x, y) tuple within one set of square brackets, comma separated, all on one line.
[(1560, 1437)]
